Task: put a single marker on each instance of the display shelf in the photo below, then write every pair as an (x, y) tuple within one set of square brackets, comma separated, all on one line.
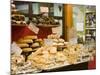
[(45, 25), (90, 26), (80, 66), (19, 25), (88, 35)]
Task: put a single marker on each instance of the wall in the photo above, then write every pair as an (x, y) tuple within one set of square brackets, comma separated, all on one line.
[(36, 9), (58, 10), (78, 16), (79, 21), (23, 8)]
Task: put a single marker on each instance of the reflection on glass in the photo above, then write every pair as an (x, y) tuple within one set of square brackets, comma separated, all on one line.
[(22, 8)]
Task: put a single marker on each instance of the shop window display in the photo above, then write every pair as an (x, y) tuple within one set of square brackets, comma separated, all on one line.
[(52, 37)]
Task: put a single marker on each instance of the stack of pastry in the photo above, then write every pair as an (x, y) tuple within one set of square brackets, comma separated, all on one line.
[(25, 44), (18, 19), (29, 43), (16, 16), (43, 57), (60, 58), (57, 41), (19, 66), (72, 53), (47, 57), (53, 36), (42, 19)]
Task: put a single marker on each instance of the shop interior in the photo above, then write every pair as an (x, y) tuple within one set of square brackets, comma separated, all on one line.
[(61, 29)]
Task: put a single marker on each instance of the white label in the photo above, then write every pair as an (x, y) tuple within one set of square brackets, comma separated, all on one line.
[(80, 27), (15, 49), (33, 28)]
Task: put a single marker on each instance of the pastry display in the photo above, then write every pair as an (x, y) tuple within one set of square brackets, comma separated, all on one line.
[(29, 44), (19, 66), (44, 57), (41, 19), (43, 40)]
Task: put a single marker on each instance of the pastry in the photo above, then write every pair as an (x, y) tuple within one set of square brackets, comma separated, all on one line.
[(27, 49), (53, 36), (79, 46), (45, 53), (25, 41), (53, 50), (60, 58), (54, 44), (39, 60), (55, 40), (39, 40), (60, 44), (66, 43), (30, 37), (35, 45), (19, 19), (72, 58), (16, 59), (23, 45), (61, 40)]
